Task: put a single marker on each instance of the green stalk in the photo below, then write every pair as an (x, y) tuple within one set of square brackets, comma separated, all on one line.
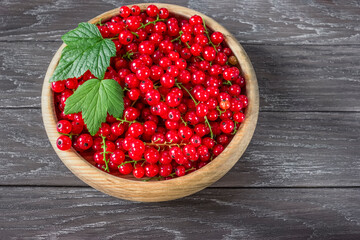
[(103, 146), (207, 34), (153, 22)]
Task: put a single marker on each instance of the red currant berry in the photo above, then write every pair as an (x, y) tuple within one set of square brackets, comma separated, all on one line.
[(195, 141), (217, 38), (171, 125), (202, 110), (172, 136), (143, 73), (218, 149), (227, 126), (165, 170), (131, 113), (146, 47), (167, 80), (151, 170), (198, 77), (165, 157), (196, 19), (117, 157), (235, 90), (191, 118), (139, 172), (163, 13), (209, 53), (223, 139), (77, 127), (126, 169), (174, 115), (63, 143), (244, 100), (99, 157), (173, 100), (84, 141), (181, 63), (126, 37), (213, 115), (196, 49), (124, 11), (152, 97), (104, 130), (136, 130), (64, 126), (71, 83), (133, 94), (180, 171), (151, 155), (137, 149), (208, 142), (239, 117), (152, 10), (149, 128), (224, 104), (133, 23), (135, 10), (236, 105), (58, 86)]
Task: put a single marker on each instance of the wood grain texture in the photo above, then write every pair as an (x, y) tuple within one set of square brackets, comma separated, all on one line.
[(288, 149), (271, 22), (83, 213), (291, 78), (131, 188)]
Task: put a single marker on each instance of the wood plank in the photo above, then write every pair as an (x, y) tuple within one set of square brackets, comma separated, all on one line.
[(288, 149), (291, 78), (81, 213), (285, 22)]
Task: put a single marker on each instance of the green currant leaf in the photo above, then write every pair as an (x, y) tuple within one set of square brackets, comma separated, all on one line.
[(85, 32), (85, 50), (95, 98)]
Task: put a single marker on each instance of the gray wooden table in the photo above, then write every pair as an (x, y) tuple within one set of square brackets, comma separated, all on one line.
[(299, 178)]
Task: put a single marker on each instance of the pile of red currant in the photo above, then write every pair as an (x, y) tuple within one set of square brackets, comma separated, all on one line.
[(184, 97)]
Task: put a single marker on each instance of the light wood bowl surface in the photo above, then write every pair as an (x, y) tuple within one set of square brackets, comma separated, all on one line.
[(156, 191)]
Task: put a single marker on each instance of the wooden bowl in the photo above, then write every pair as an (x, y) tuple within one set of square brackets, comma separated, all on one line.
[(156, 191)]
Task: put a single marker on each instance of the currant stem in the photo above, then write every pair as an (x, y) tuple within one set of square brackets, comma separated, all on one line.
[(166, 144), (183, 121), (179, 85), (235, 130), (128, 55), (219, 110), (207, 122), (103, 146), (70, 135), (99, 22), (133, 103), (153, 22), (153, 178), (134, 33), (207, 34), (124, 120), (122, 164), (201, 58), (178, 38), (227, 83), (187, 170)]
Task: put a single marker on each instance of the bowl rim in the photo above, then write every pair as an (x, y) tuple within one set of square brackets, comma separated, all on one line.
[(155, 191)]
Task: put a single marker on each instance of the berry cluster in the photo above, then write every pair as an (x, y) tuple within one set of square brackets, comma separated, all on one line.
[(184, 97)]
